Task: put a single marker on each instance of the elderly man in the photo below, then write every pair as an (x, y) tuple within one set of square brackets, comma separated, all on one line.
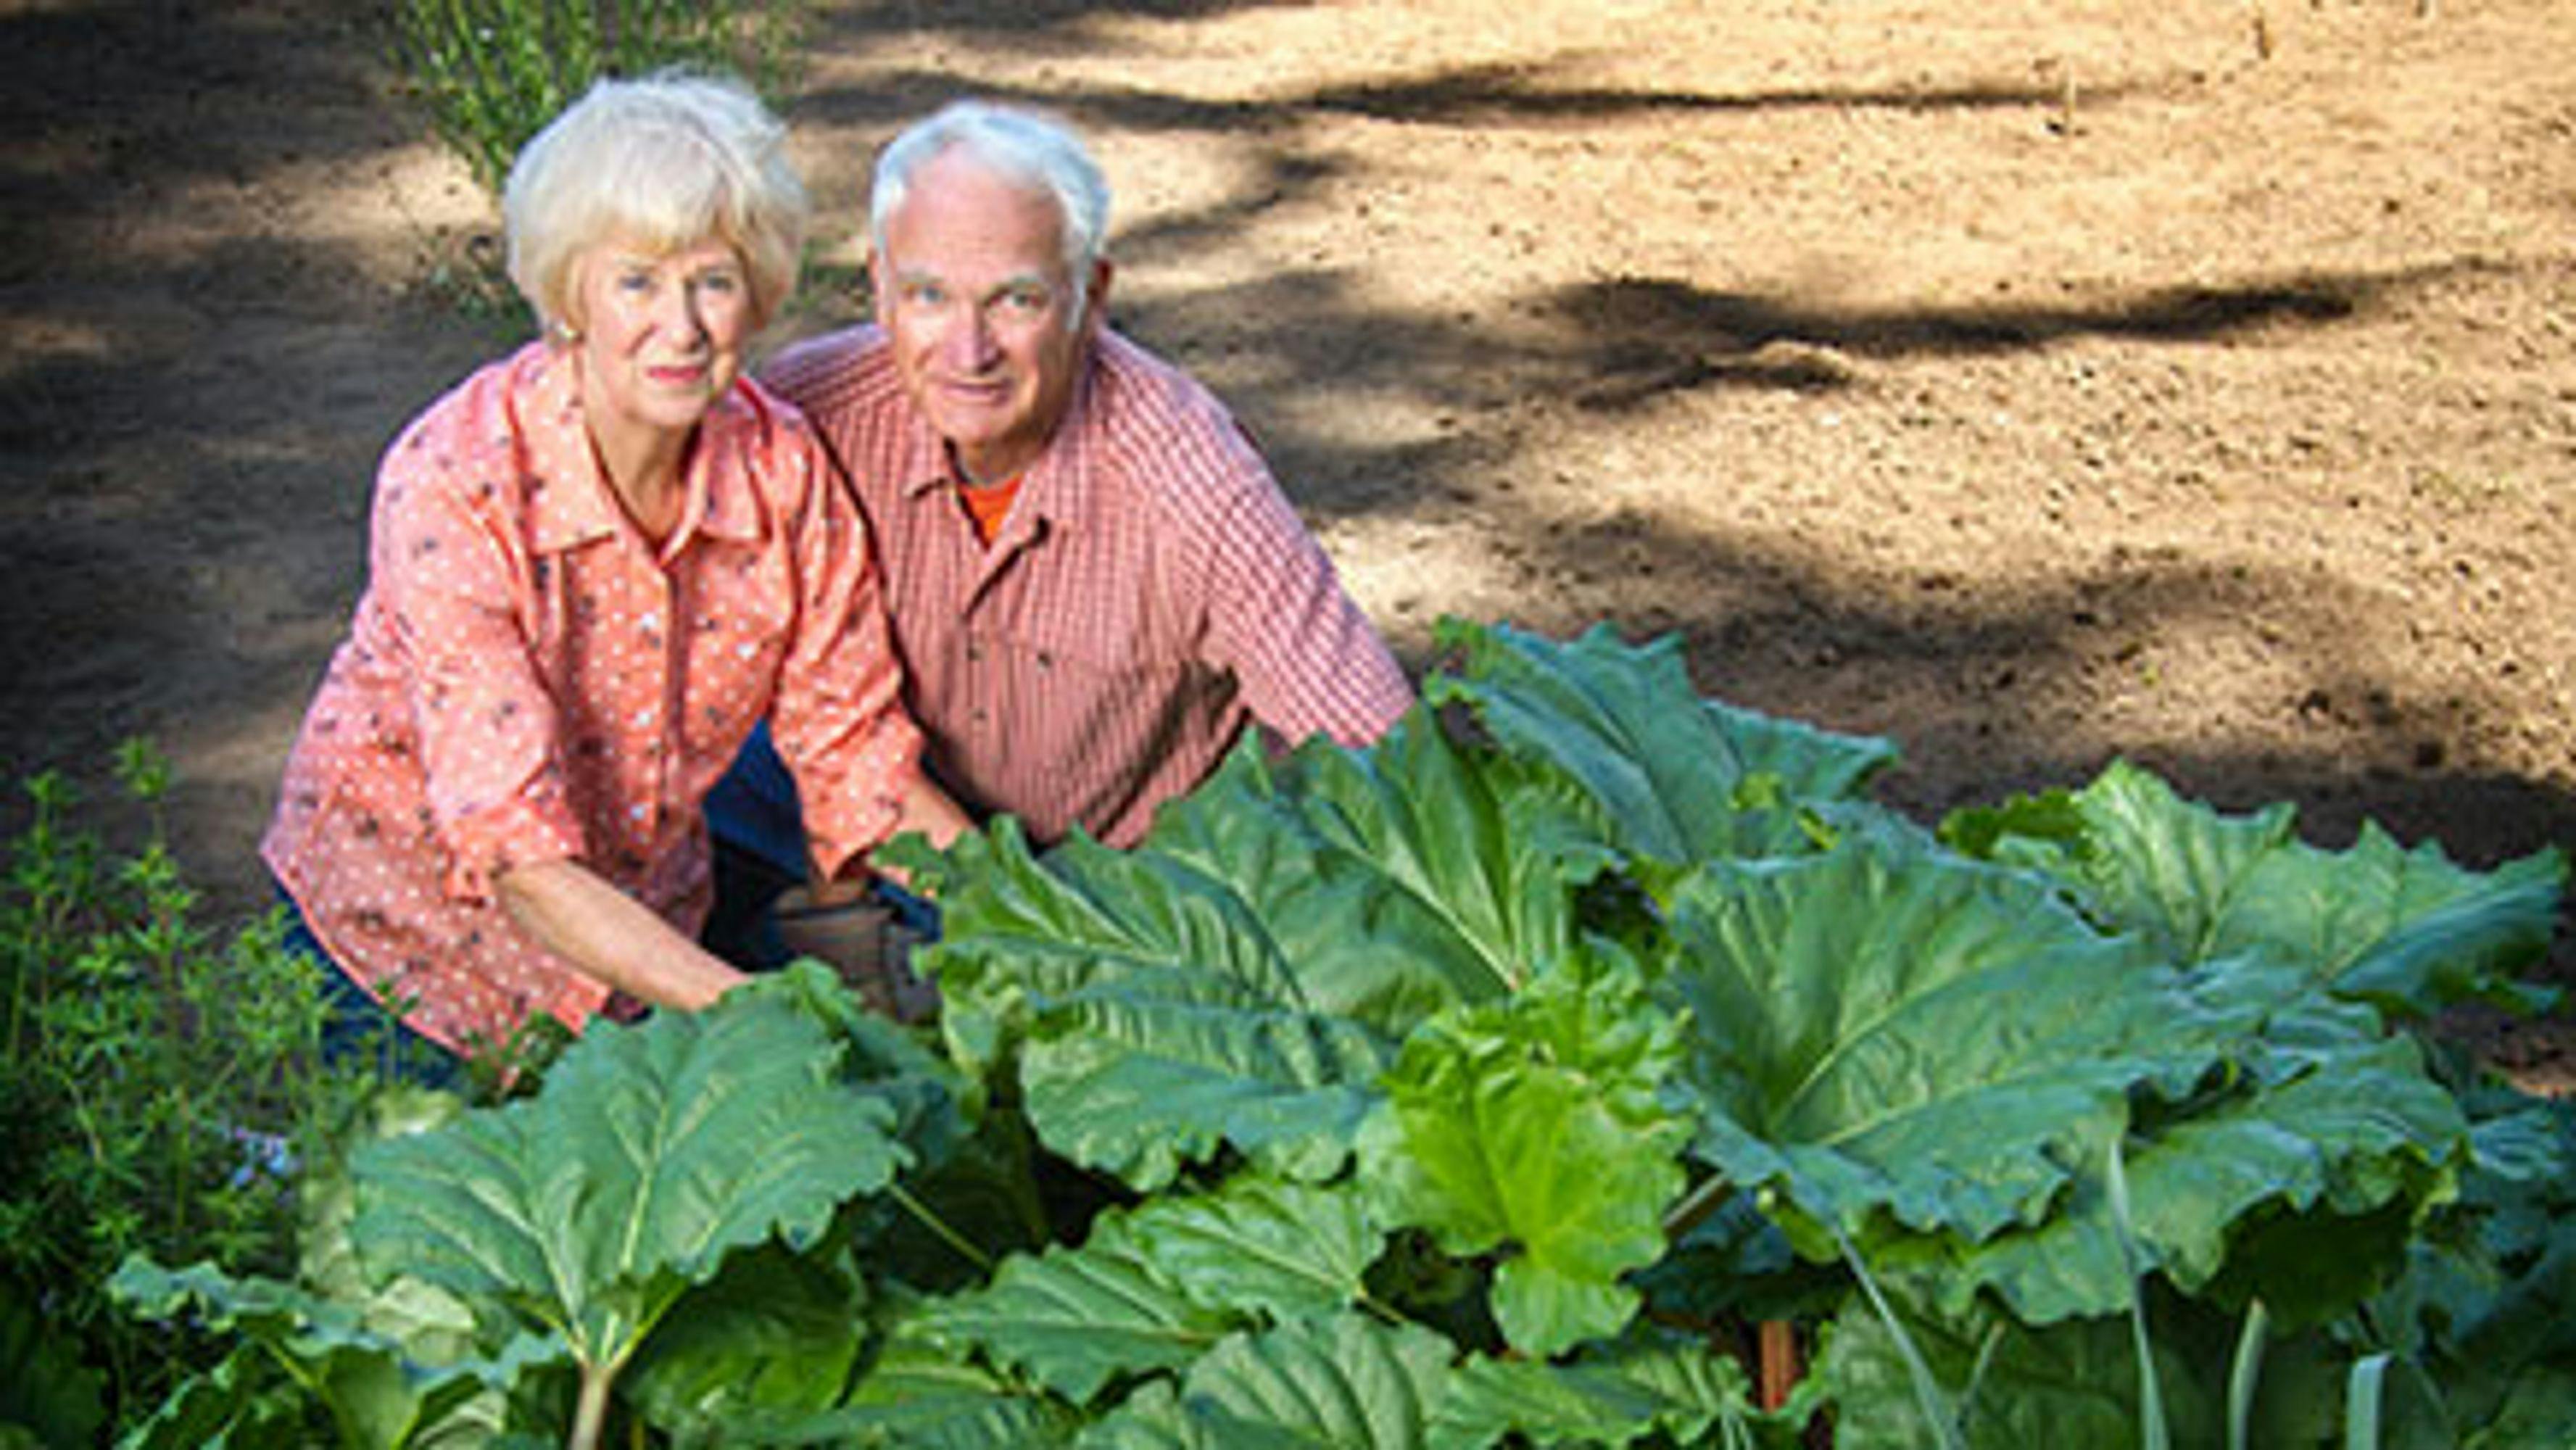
[(1095, 584)]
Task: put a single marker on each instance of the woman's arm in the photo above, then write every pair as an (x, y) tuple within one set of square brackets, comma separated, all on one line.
[(927, 809), (574, 913)]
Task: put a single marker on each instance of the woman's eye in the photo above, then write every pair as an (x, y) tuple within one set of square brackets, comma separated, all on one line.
[(722, 283)]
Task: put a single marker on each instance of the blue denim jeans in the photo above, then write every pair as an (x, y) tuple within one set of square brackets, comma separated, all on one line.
[(758, 829), (359, 1029)]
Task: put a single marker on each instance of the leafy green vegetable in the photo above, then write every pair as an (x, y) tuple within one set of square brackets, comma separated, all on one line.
[(1628, 1392), (1075, 1319), (1346, 1381), (1884, 1032), (1670, 777), (649, 1156), (2407, 931), (1481, 1087), (1537, 1125), (374, 1396)]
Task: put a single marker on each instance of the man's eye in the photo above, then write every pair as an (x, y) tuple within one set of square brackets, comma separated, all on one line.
[(925, 294), (1025, 300)]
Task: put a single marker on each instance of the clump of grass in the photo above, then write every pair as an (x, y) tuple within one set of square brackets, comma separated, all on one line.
[(492, 72)]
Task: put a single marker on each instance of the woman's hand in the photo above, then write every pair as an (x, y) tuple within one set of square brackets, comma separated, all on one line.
[(573, 912), (927, 809)]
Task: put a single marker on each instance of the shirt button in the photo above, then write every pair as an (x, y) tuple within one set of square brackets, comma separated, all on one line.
[(974, 654), (977, 717)]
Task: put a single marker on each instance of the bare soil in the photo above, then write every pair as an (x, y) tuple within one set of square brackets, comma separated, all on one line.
[(2031, 383)]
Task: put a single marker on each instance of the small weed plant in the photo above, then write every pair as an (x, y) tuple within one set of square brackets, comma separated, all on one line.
[(492, 72), (162, 1082)]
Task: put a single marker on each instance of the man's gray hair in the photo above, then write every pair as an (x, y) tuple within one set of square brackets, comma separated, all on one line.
[(1023, 146)]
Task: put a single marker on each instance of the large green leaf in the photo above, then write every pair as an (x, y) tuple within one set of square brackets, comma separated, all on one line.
[(1640, 1387), (2408, 931), (375, 1395), (1880, 1031), (651, 1153), (1935, 1057), (1284, 1249), (919, 1394), (2073, 1385), (2489, 1293), (1075, 1319), (1156, 1287), (774, 1331), (2296, 1180), (1397, 879), (1538, 1125), (1020, 933), (1154, 1019), (1138, 1088), (1672, 776), (1344, 1382)]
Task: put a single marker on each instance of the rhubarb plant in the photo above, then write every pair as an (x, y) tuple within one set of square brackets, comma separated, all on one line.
[(1485, 1085)]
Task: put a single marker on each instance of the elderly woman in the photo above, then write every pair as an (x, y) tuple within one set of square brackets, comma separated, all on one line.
[(594, 565)]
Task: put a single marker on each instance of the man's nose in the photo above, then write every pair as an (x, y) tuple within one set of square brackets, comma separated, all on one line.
[(970, 340)]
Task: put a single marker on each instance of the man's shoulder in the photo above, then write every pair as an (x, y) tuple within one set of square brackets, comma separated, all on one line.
[(850, 368), (1138, 382), (1153, 417)]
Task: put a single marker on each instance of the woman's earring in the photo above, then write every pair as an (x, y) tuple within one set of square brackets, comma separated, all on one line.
[(564, 332)]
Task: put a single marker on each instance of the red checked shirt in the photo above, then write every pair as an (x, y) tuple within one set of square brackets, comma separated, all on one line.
[(1150, 596), (529, 678)]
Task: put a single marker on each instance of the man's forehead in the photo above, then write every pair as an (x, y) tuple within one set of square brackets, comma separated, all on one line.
[(956, 272)]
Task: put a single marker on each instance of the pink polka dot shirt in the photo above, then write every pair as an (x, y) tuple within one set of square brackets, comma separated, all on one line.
[(531, 678)]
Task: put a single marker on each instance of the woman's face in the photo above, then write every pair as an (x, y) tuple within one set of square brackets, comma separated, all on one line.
[(662, 334)]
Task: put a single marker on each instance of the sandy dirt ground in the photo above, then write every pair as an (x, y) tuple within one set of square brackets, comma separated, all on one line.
[(2031, 383)]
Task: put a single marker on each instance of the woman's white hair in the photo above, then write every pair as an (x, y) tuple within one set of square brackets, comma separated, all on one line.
[(1023, 146), (667, 161)]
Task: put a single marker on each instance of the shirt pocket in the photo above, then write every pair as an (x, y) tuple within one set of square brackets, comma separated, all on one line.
[(1082, 693)]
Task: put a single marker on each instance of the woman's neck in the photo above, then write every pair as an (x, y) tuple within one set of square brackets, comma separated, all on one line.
[(643, 467)]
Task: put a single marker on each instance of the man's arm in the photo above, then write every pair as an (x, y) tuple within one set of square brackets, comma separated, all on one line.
[(1304, 653)]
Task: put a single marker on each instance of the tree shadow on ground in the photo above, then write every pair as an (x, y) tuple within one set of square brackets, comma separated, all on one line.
[(1776, 629)]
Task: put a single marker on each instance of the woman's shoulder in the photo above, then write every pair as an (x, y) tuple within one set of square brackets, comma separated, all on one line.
[(490, 410)]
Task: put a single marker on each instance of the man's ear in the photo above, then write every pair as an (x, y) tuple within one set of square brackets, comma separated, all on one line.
[(1095, 299)]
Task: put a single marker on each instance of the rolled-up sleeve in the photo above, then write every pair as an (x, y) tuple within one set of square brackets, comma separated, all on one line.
[(1306, 658), (457, 611), (839, 720)]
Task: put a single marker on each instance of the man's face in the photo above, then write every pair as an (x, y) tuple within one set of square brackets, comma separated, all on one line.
[(989, 334)]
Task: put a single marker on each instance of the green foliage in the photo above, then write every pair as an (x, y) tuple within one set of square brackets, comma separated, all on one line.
[(162, 1084), (1462, 1091), (491, 73)]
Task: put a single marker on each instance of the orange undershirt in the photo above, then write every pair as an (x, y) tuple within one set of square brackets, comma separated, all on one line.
[(987, 505)]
